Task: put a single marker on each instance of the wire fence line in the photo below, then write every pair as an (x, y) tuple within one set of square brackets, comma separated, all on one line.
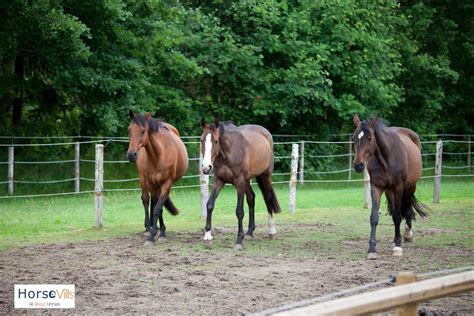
[(299, 173)]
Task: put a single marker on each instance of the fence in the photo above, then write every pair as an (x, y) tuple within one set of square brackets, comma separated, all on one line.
[(307, 153), (404, 297)]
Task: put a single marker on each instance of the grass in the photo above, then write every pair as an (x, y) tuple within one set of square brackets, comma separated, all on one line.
[(335, 211)]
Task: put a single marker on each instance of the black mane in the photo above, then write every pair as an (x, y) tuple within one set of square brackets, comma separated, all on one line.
[(154, 124)]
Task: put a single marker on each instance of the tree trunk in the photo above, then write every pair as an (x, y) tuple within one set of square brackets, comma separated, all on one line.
[(17, 103)]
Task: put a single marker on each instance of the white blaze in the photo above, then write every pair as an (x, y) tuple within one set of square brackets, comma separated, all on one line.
[(206, 160), (361, 134)]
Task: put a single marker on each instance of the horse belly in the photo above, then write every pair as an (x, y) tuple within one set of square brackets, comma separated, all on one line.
[(260, 154), (413, 160)]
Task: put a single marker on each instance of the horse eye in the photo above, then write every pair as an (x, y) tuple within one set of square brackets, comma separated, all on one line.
[(370, 138)]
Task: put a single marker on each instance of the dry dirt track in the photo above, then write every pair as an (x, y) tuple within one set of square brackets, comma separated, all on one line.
[(121, 276)]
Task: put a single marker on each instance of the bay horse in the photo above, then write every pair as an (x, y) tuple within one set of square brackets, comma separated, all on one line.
[(392, 156), (238, 154), (161, 159)]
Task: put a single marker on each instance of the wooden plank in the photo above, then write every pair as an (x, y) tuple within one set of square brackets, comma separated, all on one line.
[(294, 172), (391, 298), (412, 308)]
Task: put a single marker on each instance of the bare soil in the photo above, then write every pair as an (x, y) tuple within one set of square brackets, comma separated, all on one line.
[(182, 276)]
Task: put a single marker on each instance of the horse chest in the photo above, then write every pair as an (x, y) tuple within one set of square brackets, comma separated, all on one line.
[(225, 173)]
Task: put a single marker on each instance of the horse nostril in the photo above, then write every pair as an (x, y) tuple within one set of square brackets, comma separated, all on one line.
[(359, 167), (132, 156)]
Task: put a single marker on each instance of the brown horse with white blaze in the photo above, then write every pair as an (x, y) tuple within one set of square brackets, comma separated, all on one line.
[(392, 156), (162, 160), (238, 154)]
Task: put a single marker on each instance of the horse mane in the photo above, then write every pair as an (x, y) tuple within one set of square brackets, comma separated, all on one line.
[(222, 126), (155, 123)]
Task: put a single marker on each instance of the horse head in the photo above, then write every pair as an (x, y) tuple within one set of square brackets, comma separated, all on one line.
[(210, 145), (137, 134), (364, 141)]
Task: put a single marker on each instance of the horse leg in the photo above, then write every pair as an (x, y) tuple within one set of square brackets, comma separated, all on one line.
[(158, 214), (239, 211), (395, 202), (217, 186), (154, 200), (146, 204), (376, 193), (251, 203), (265, 184)]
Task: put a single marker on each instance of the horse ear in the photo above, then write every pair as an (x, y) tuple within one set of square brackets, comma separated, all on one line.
[(356, 120), (373, 121), (216, 122), (131, 114), (203, 123), (147, 116)]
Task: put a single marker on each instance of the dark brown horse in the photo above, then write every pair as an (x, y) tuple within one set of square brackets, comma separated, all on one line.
[(238, 154), (161, 159), (392, 156)]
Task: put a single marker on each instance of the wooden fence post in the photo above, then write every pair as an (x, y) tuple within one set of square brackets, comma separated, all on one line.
[(77, 167), (367, 190), (408, 309), (350, 158), (11, 162), (469, 153), (301, 174), (204, 181), (438, 168), (99, 183), (294, 172)]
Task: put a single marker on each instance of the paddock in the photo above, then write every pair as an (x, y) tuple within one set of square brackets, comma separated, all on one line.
[(321, 247)]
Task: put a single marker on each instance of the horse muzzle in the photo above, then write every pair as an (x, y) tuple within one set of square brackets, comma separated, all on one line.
[(132, 156), (359, 167), (206, 169)]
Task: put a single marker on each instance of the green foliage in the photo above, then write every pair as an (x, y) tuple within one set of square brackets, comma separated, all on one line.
[(76, 67)]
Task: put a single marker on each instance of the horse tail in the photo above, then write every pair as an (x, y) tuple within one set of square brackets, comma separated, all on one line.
[(271, 199), (275, 205), (171, 208), (412, 204)]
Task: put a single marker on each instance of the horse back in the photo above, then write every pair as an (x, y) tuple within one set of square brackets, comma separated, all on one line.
[(411, 143), (259, 149)]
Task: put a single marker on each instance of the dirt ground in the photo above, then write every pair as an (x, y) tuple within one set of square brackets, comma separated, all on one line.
[(181, 276)]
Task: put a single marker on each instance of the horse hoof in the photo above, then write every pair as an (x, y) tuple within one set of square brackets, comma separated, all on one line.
[(146, 234), (397, 251), (238, 246), (148, 243), (372, 256), (162, 239), (249, 237), (208, 243), (273, 236), (408, 236)]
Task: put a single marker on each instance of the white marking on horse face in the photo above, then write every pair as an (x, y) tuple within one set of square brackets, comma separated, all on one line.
[(206, 160), (208, 236), (361, 134), (271, 225)]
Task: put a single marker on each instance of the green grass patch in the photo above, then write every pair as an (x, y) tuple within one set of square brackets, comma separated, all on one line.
[(334, 212)]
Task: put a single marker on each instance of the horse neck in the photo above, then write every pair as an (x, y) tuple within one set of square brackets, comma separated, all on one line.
[(384, 143), (154, 148)]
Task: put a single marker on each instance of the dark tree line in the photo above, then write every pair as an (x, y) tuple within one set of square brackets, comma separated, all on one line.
[(300, 67)]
